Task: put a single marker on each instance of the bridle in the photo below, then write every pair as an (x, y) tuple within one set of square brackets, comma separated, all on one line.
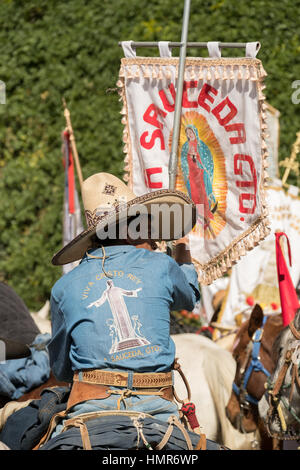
[(274, 391), (255, 365)]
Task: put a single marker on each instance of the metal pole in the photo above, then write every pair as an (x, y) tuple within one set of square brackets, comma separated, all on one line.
[(178, 101), (203, 45)]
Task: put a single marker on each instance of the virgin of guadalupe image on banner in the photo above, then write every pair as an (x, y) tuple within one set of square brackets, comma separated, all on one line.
[(222, 150)]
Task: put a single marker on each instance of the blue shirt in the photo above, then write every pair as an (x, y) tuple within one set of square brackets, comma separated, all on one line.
[(121, 322)]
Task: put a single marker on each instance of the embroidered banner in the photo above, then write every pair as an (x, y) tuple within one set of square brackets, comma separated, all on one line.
[(222, 148)]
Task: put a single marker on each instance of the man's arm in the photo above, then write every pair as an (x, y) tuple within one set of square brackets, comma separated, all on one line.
[(60, 344), (184, 278)]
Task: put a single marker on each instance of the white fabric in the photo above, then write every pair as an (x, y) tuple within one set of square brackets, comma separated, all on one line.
[(128, 49), (255, 276), (213, 49), (164, 49), (252, 49), (212, 105)]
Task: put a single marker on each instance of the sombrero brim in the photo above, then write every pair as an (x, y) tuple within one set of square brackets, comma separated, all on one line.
[(77, 248)]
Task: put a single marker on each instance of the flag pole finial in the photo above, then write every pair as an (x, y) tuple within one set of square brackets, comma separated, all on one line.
[(72, 140)]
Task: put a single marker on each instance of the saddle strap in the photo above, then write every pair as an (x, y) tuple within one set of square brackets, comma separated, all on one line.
[(173, 421), (79, 423)]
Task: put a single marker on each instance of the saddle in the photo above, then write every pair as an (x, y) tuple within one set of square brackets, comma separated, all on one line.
[(126, 430)]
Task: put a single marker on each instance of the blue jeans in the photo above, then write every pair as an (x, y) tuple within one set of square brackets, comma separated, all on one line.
[(153, 405)]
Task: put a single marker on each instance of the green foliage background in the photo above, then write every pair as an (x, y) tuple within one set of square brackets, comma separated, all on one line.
[(53, 49)]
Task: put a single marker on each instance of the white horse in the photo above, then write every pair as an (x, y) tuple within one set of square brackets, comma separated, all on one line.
[(210, 371)]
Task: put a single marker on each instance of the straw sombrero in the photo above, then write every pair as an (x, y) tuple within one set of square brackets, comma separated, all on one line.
[(109, 202)]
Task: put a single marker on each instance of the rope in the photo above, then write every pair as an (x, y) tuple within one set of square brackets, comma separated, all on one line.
[(139, 429), (176, 366), (173, 421), (103, 260)]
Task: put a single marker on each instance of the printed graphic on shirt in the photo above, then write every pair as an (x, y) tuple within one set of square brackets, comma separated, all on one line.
[(124, 330)]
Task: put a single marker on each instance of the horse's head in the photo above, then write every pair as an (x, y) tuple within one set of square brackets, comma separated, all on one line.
[(252, 351), (279, 408)]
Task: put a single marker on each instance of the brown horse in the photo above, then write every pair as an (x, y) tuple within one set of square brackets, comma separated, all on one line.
[(253, 354)]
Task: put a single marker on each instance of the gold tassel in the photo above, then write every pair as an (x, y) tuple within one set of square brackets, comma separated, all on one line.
[(169, 73), (263, 73), (232, 77), (208, 74), (228, 262), (129, 73), (247, 74), (137, 72), (200, 73), (119, 84), (217, 75), (146, 72), (192, 73), (160, 73), (122, 72), (154, 72), (225, 76), (254, 76), (223, 266), (240, 73), (242, 249), (124, 120)]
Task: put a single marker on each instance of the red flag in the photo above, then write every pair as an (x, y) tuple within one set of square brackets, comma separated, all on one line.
[(71, 175), (287, 291)]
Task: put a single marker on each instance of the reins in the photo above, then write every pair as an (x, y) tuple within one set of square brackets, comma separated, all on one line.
[(274, 391)]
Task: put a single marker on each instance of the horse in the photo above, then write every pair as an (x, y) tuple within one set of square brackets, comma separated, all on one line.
[(252, 352), (279, 407)]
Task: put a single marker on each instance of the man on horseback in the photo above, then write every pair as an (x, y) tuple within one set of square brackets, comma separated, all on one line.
[(111, 314)]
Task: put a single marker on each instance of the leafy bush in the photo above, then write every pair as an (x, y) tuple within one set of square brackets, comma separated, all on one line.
[(52, 49)]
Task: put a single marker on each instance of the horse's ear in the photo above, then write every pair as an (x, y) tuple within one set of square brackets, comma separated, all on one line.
[(256, 319)]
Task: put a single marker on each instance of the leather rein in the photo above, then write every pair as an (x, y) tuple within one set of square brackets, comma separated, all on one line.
[(274, 391), (255, 365)]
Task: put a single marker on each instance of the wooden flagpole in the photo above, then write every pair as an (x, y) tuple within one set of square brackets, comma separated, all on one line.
[(73, 143), (289, 163)]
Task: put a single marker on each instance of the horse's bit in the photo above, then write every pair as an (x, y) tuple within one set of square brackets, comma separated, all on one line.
[(292, 358), (255, 366)]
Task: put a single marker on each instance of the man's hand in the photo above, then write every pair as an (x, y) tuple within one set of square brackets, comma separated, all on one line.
[(182, 251)]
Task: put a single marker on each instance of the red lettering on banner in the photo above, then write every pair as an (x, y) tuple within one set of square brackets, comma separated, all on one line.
[(241, 133), (185, 101), (153, 171), (232, 111), (204, 95), (157, 134), (151, 116), (238, 170), (166, 103)]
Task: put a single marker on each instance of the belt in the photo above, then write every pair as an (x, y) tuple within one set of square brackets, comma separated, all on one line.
[(121, 379)]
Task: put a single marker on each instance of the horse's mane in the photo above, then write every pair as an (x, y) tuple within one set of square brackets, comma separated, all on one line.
[(276, 344)]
